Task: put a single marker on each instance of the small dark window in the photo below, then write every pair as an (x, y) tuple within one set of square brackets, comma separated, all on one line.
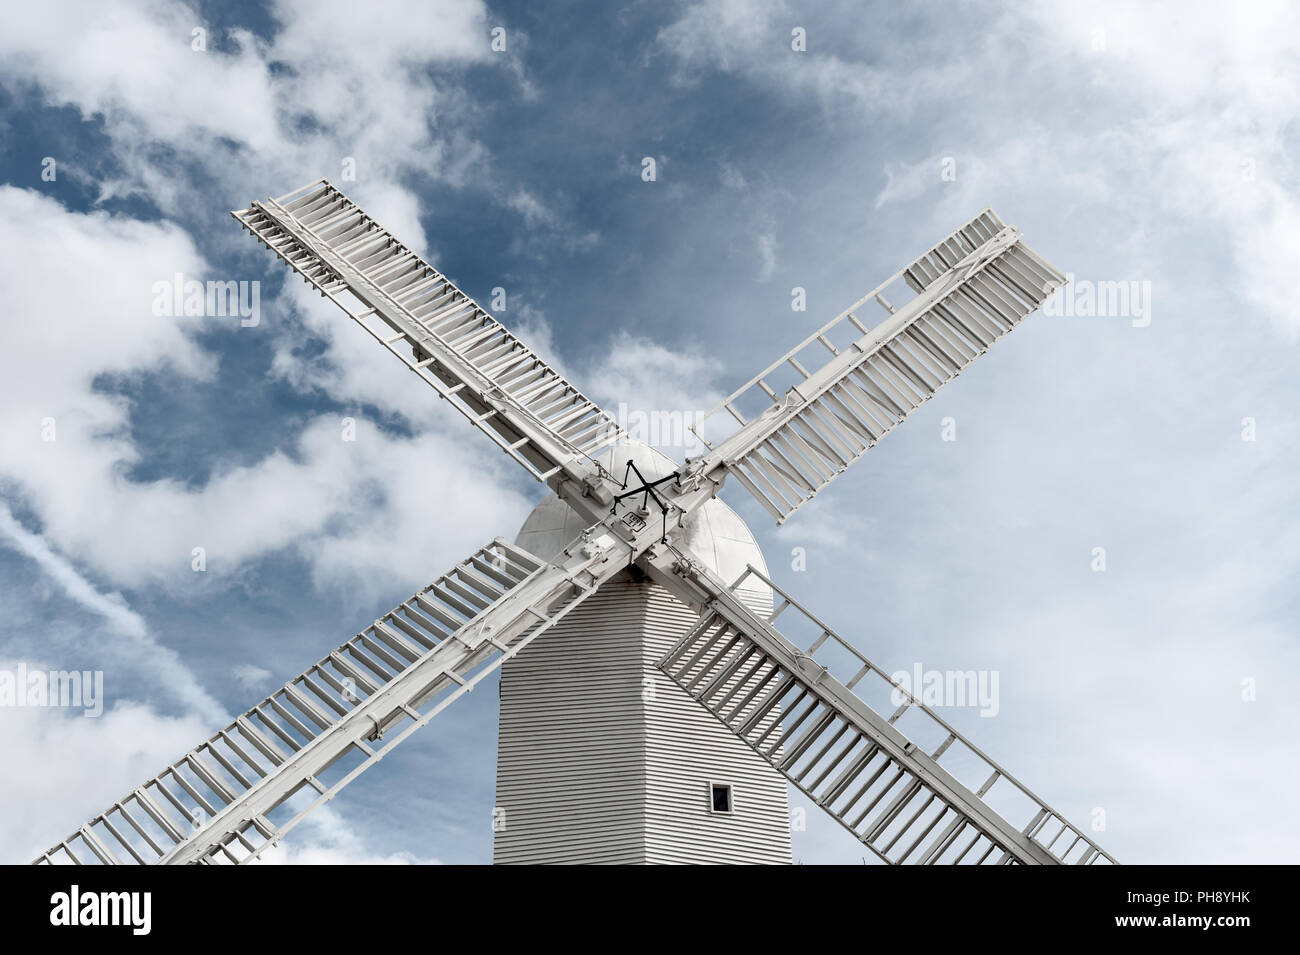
[(720, 797)]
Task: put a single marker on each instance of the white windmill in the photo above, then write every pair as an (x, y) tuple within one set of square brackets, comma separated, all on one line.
[(658, 688)]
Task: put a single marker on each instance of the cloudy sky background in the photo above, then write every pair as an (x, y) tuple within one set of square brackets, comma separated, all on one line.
[(1154, 144)]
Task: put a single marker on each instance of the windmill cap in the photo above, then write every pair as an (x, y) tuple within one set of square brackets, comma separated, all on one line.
[(715, 534)]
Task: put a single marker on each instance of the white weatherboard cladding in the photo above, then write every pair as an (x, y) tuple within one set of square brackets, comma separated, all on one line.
[(686, 749), (571, 742), (602, 758)]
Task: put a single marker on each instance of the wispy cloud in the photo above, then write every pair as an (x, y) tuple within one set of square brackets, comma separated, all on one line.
[(121, 618), (137, 647), (250, 676)]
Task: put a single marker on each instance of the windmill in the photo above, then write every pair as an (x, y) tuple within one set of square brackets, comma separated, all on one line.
[(658, 687)]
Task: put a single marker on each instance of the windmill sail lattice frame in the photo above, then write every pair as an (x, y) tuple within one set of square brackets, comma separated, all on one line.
[(499, 384), (890, 776), (971, 289)]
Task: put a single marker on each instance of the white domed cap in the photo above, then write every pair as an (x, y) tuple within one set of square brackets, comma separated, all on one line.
[(715, 535)]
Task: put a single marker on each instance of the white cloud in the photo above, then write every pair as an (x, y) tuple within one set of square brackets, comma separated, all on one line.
[(369, 92), (121, 618), (827, 530), (531, 208), (293, 854), (346, 505), (1193, 131), (546, 228), (731, 177), (766, 242), (128, 643), (648, 376), (325, 838), (374, 542), (61, 768), (905, 181), (721, 34), (1214, 136), (405, 35), (133, 64), (753, 38), (346, 86), (251, 677), (133, 531)]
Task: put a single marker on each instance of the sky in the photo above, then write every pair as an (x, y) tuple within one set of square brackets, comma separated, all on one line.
[(1100, 510)]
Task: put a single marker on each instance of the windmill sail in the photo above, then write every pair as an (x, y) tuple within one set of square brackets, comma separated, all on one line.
[(971, 289), (907, 784), (227, 800), (499, 384)]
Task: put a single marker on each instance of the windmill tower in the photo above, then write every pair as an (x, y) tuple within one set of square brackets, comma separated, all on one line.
[(600, 756), (658, 687)]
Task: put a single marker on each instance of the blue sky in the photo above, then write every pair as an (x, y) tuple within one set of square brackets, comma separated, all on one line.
[(1151, 145)]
